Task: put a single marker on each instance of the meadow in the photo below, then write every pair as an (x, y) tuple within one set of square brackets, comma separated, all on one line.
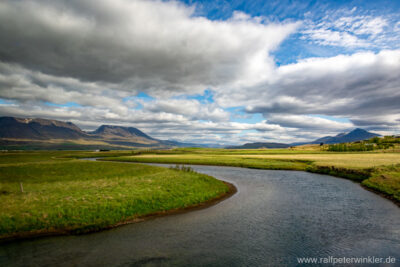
[(376, 170), (61, 194), (64, 194)]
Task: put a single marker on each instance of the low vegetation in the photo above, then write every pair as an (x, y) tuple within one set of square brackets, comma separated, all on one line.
[(377, 170), (216, 159), (385, 180), (375, 143), (54, 191), (43, 192)]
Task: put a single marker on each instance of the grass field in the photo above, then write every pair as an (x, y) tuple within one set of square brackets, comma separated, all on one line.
[(292, 161), (67, 195), (221, 160), (377, 170), (385, 180)]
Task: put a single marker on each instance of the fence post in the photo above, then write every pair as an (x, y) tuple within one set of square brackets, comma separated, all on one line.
[(21, 187)]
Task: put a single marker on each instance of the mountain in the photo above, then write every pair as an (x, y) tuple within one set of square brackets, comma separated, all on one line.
[(38, 129), (111, 131), (259, 145), (17, 133), (120, 134), (353, 136), (126, 136)]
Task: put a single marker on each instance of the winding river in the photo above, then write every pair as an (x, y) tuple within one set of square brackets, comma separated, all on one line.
[(275, 217)]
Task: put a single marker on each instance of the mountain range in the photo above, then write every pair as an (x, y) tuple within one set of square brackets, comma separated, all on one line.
[(26, 133), (353, 136)]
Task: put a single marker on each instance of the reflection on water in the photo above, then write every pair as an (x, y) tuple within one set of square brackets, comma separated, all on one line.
[(275, 217)]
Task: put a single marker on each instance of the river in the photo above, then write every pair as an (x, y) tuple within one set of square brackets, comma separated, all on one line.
[(274, 218)]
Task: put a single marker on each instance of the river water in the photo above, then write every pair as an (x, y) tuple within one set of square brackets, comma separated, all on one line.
[(276, 217)]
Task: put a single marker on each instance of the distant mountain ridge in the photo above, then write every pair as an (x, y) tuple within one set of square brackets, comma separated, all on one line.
[(40, 129), (15, 132), (119, 131), (259, 145), (353, 136), (25, 131)]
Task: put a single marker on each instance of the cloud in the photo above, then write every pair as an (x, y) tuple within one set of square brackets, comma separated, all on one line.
[(140, 45), (352, 29), (99, 55), (307, 122), (325, 36), (189, 108), (359, 86), (158, 124), (17, 83)]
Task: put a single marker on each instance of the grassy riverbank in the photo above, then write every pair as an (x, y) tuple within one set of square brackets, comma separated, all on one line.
[(378, 170), (65, 195)]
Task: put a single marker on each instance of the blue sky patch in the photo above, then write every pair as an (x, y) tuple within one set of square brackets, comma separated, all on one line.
[(206, 97), (5, 102), (318, 19), (239, 115)]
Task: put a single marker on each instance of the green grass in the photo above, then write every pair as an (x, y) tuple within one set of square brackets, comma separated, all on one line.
[(385, 180), (373, 168), (219, 160), (289, 161), (80, 196), (24, 157), (62, 193)]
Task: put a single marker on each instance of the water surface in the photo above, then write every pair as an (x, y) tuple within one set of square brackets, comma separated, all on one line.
[(275, 217)]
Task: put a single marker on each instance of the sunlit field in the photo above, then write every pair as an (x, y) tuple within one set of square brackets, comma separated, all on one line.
[(42, 192), (62, 193), (377, 170), (346, 160)]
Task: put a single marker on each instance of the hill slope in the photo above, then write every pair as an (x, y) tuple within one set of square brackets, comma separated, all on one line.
[(127, 136), (38, 129), (111, 131), (353, 136), (17, 133)]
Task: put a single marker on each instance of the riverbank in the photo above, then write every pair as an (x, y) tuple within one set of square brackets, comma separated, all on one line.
[(46, 232), (277, 217), (377, 172), (55, 183), (53, 197)]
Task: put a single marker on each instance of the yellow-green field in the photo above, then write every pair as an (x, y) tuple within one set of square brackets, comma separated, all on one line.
[(377, 170), (344, 160), (61, 194)]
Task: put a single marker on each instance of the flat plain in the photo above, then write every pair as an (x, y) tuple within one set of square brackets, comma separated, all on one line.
[(45, 192), (376, 170), (52, 193)]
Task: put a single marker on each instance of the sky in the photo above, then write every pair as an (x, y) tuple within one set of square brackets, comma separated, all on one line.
[(220, 72)]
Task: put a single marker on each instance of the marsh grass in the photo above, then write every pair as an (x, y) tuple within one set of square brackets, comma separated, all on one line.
[(80, 196)]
